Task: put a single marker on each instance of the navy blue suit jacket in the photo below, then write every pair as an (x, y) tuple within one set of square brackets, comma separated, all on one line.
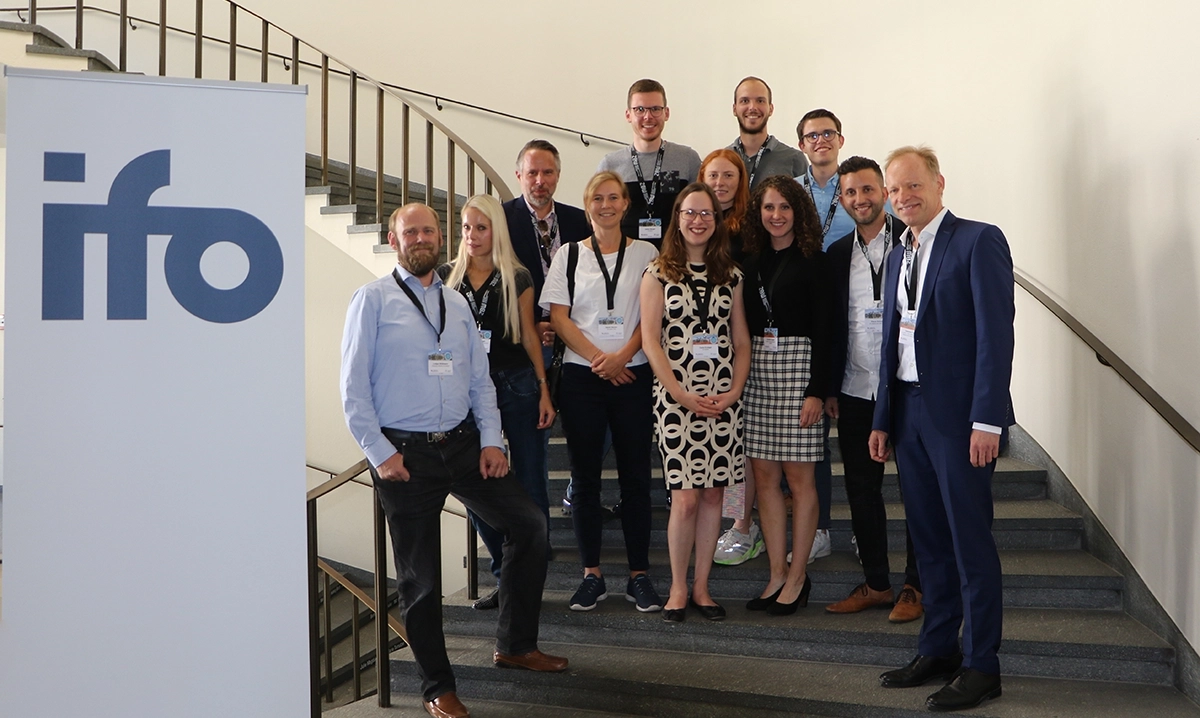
[(964, 330), (838, 264), (573, 226)]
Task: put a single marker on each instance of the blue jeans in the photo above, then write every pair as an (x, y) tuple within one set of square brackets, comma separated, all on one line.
[(517, 395)]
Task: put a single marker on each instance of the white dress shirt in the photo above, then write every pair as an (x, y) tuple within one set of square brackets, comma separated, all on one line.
[(863, 347), (907, 369)]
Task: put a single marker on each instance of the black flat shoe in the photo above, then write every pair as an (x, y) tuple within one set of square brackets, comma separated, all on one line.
[(787, 609), (968, 690), (713, 613), (674, 615), (762, 604), (920, 671)]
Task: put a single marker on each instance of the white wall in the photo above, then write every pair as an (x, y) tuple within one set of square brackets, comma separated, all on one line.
[(1070, 124)]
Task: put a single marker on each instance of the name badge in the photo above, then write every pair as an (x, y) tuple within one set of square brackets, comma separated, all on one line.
[(486, 336), (704, 346), (908, 325), (441, 363), (873, 318), (649, 228), (612, 327), (771, 339)]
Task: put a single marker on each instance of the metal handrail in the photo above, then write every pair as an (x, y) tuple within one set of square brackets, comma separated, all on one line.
[(1108, 357)]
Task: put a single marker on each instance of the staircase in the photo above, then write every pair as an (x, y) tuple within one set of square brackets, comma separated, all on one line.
[(1069, 649)]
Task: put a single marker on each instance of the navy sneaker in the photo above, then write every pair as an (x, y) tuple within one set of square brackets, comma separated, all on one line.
[(641, 592), (589, 592)]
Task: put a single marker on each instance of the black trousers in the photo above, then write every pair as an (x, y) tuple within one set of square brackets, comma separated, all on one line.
[(413, 509), (864, 492)]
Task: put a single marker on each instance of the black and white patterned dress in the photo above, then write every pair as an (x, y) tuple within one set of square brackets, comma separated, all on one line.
[(698, 453)]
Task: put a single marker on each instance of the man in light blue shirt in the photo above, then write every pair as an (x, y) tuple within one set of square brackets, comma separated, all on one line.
[(820, 134), (420, 402)]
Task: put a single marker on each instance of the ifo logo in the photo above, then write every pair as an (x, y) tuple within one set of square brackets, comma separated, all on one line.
[(128, 220)]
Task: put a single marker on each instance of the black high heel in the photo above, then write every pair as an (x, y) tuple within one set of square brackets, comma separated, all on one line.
[(787, 609), (762, 604)]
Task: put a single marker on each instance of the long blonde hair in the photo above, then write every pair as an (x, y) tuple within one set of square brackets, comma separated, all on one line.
[(504, 259)]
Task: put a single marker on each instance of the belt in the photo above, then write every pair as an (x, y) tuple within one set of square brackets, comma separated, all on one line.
[(431, 437), (909, 384)]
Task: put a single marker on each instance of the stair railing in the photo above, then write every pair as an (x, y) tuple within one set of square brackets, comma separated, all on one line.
[(320, 575), (456, 170)]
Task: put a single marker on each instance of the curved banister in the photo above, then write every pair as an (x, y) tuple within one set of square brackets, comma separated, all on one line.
[(1107, 356)]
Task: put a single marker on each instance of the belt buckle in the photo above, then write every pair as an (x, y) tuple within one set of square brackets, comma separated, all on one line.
[(437, 437)]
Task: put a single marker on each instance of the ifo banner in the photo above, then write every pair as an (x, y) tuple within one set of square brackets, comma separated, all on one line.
[(154, 547)]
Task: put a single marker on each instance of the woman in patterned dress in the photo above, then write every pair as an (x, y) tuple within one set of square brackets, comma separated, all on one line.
[(787, 313), (694, 335)]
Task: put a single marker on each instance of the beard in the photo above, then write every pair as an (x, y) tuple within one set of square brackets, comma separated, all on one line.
[(762, 130), (419, 261)]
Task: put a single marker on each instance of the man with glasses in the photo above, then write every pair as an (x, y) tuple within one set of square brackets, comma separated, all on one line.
[(654, 170), (538, 225), (821, 138), (762, 153)]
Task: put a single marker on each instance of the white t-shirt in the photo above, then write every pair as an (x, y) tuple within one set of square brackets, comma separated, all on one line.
[(591, 301)]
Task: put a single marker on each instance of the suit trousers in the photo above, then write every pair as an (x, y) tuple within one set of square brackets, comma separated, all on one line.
[(864, 493), (413, 509), (949, 507)]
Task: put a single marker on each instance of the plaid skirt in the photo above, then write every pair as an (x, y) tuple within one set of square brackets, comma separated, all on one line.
[(772, 401)]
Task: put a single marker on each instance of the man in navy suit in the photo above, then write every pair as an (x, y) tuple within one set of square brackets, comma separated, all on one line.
[(537, 224), (943, 400)]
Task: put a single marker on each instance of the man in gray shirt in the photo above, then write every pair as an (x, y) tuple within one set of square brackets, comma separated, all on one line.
[(654, 170), (763, 155)]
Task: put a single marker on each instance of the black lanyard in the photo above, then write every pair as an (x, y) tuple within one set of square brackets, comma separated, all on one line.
[(833, 204), (417, 303), (911, 267), (877, 274), (703, 298), (757, 156), (650, 195), (610, 283), (770, 286), (488, 286)]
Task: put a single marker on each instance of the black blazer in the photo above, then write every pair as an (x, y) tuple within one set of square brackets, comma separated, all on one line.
[(838, 262), (573, 226)]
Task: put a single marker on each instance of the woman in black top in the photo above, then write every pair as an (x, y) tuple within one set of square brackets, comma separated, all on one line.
[(786, 310), (499, 291)]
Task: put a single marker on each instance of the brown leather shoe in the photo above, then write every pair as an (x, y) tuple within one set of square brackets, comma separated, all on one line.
[(447, 705), (908, 606), (860, 599), (535, 660)]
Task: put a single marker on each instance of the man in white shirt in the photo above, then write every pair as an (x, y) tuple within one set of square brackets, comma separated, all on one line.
[(943, 401)]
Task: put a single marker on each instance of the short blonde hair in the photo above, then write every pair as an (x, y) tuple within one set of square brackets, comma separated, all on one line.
[(437, 221), (594, 184), (925, 152)]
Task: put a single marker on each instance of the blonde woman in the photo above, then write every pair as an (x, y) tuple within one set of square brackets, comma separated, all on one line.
[(499, 292)]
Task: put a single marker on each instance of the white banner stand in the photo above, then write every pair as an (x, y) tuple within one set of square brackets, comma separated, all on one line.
[(154, 547)]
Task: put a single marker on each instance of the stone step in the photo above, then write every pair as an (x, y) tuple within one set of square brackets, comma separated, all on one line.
[(1018, 524), (1041, 579), (406, 705), (1056, 643), (710, 683), (1013, 479)]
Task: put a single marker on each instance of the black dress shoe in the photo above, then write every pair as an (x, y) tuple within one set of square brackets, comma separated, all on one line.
[(968, 690), (674, 615), (762, 604), (712, 613), (920, 671), (489, 602), (787, 609)]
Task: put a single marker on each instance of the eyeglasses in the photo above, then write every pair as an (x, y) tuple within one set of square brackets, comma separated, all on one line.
[(703, 215), (812, 137), (640, 111)]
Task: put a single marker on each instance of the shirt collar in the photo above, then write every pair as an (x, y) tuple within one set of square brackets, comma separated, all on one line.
[(406, 275), (813, 180), (930, 232), (533, 212)]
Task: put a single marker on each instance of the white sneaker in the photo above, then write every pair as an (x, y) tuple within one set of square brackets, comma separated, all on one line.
[(735, 547), (821, 547)]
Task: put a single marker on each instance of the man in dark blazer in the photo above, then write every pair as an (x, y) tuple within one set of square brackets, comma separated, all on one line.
[(856, 263), (538, 225), (944, 401)]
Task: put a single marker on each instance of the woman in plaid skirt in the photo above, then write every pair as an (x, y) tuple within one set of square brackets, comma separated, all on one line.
[(787, 314)]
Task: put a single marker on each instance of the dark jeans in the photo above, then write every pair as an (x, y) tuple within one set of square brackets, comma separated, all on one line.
[(591, 405), (823, 475), (864, 492), (517, 394), (413, 509)]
